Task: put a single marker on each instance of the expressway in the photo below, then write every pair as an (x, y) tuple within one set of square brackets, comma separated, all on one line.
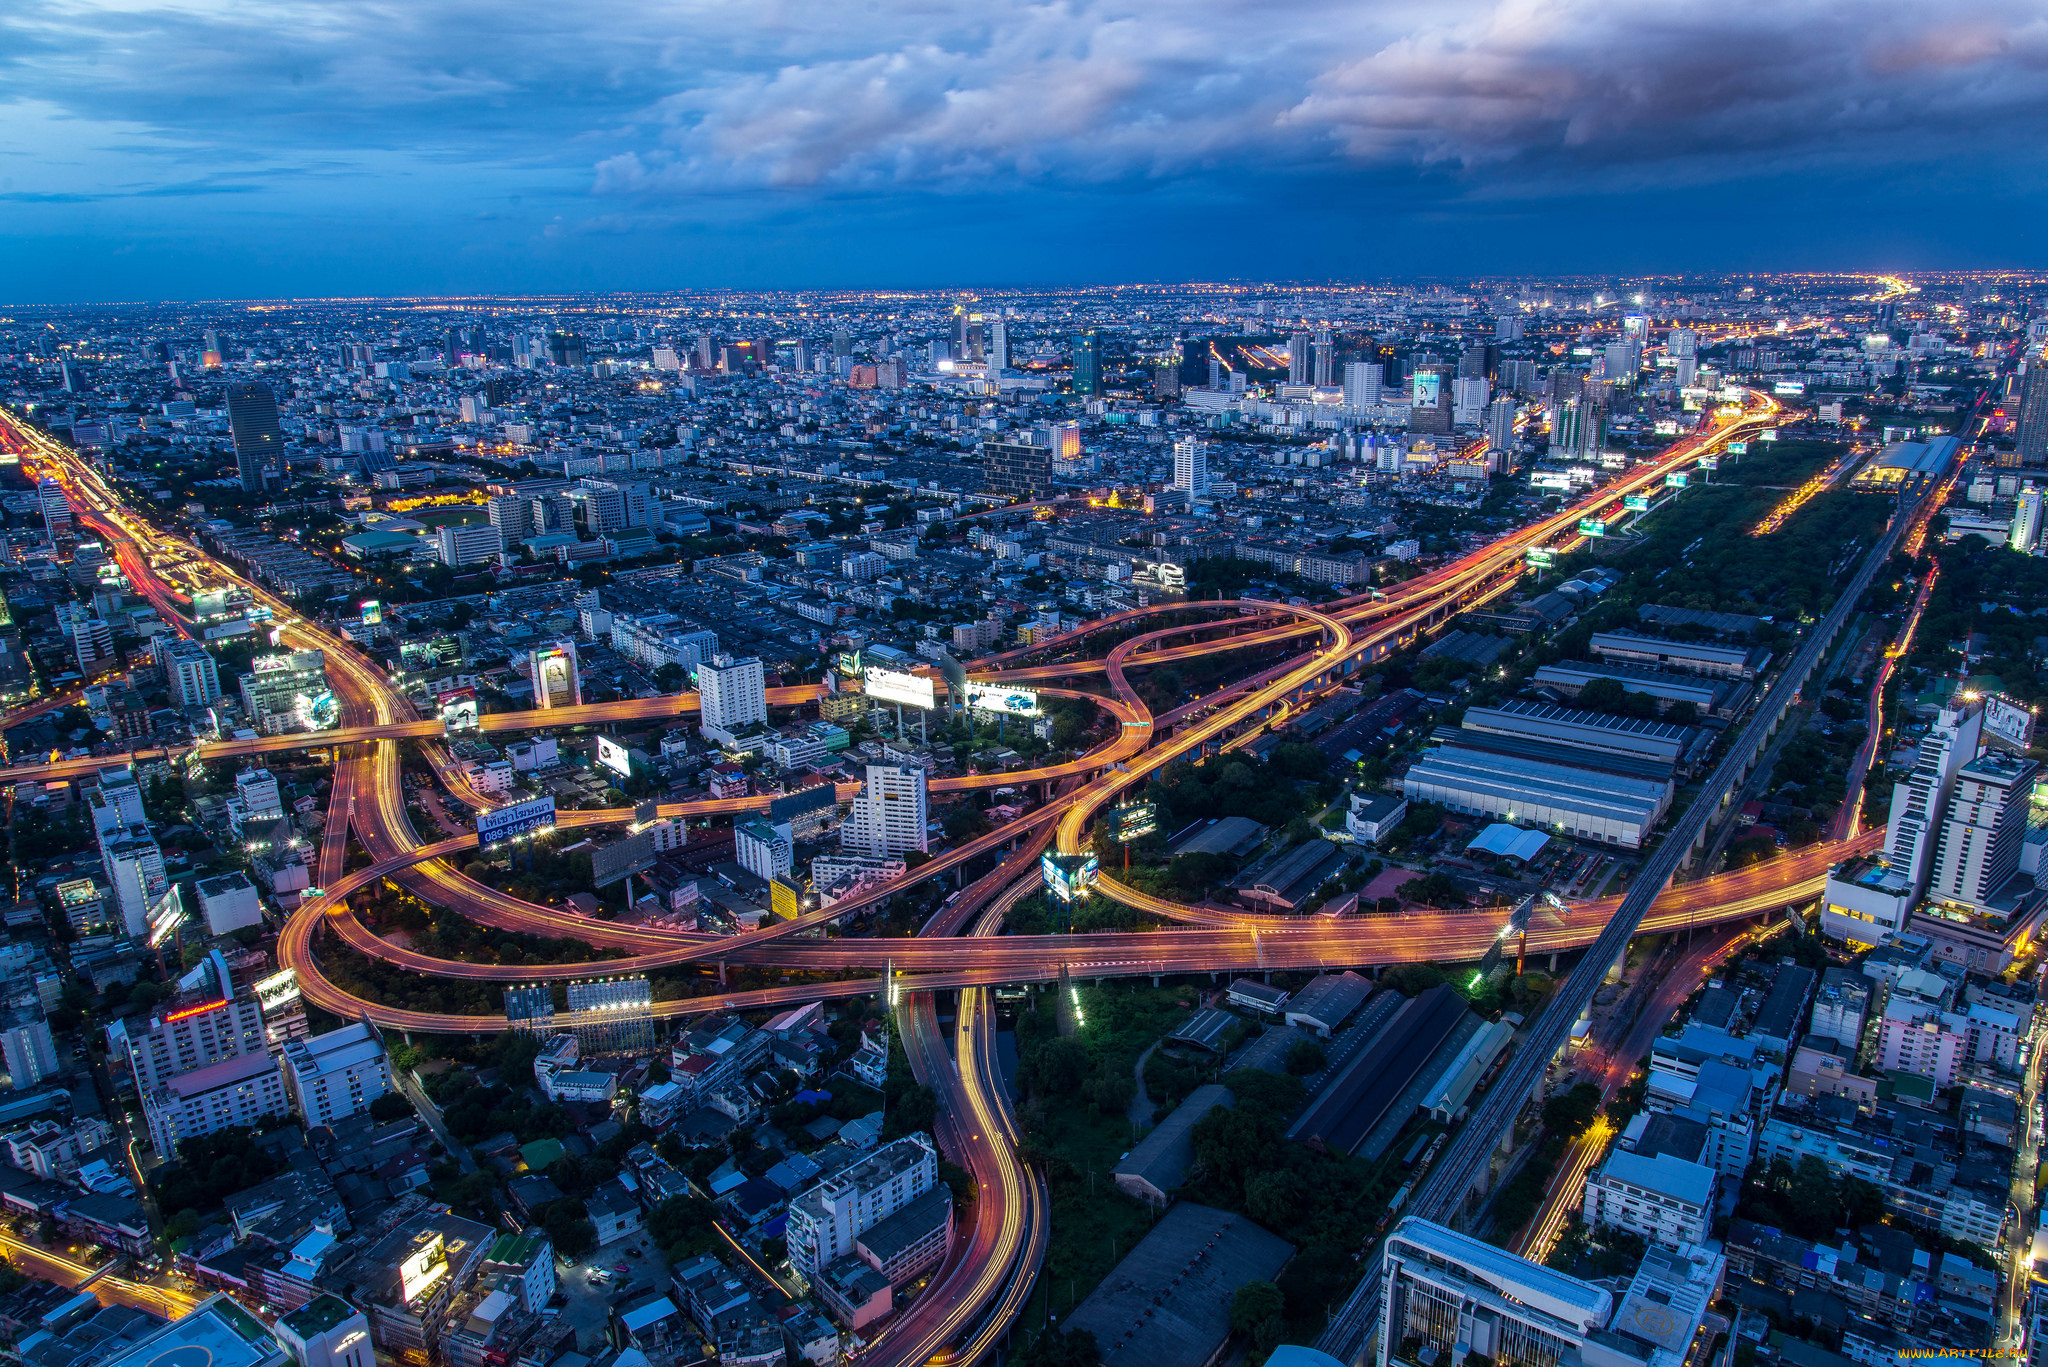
[(981, 1288)]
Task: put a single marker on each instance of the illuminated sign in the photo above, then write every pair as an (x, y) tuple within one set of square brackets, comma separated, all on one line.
[(889, 685), (2009, 722), (1710, 462), (1768, 434), (612, 755), (520, 818), (1135, 821), (422, 1267), (1067, 876), (189, 1012), (1788, 387), (1637, 503), (1592, 526), (1541, 556), (1004, 698), (277, 989), (1425, 389), (1738, 448), (1676, 480), (373, 612), (458, 709), (784, 899), (1667, 427)]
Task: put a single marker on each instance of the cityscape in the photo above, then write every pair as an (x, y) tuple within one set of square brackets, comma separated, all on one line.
[(1472, 822)]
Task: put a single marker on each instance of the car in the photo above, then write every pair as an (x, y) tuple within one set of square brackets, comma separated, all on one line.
[(622, 1267)]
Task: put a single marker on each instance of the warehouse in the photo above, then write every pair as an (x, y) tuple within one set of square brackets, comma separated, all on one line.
[(1709, 697), (1681, 747), (1689, 657), (1355, 1102), (1610, 808), (1167, 1304), (1526, 750)]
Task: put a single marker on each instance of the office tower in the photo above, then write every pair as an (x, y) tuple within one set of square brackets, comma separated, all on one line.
[(842, 342), (1592, 428), (28, 1051), (732, 696), (666, 360), (93, 642), (1622, 359), (825, 1221), (2031, 441), (967, 336), (451, 347), (1088, 363), (2026, 521), (192, 674), (998, 343), (1472, 363), (259, 441), (1362, 383), (1920, 801), (1016, 468), (56, 509), (1166, 381), (614, 503), (134, 864), (1981, 834), (552, 671), (1298, 358), (1500, 425), (1509, 329), (457, 546), (211, 340), (333, 1076), (1519, 376), (69, 377), (284, 691), (1682, 342), (889, 816), (1470, 394), (1326, 359), (1191, 467), (512, 517), (1430, 400)]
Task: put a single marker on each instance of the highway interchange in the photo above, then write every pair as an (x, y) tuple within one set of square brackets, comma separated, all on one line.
[(977, 1296)]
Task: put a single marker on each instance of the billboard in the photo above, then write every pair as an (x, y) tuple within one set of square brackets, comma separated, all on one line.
[(816, 798), (1592, 526), (1710, 462), (520, 818), (1738, 448), (1067, 876), (1005, 698), (1540, 556), (421, 1268), (1425, 389), (373, 612), (1768, 434), (890, 685), (458, 709), (1667, 427), (785, 899), (1676, 480), (277, 989), (634, 854), (2008, 723), (1134, 821), (1637, 503), (613, 756), (166, 916)]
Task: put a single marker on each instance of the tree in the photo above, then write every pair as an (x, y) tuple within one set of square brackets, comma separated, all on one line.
[(1257, 1312), (1570, 1114), (1074, 1348), (1274, 1199), (1602, 695), (1306, 1056), (1058, 1065), (390, 1106)]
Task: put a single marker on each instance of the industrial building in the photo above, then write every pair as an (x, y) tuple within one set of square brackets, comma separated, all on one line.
[(1680, 747), (1608, 807), (1361, 1108), (1167, 1304), (1154, 1170), (1689, 657), (1708, 697)]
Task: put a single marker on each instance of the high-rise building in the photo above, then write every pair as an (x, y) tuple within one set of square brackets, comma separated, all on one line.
[(1298, 359), (825, 1221), (467, 545), (1500, 425), (1088, 363), (1430, 400), (1920, 800), (1470, 394), (2031, 439), (326, 1332), (56, 509), (842, 342), (192, 674), (1326, 359), (336, 1075), (1363, 381), (258, 438), (286, 691), (890, 814), (92, 640), (1019, 469), (764, 848), (1981, 835), (998, 344), (1191, 467), (732, 696), (1682, 342), (2026, 521), (552, 671), (28, 1050)]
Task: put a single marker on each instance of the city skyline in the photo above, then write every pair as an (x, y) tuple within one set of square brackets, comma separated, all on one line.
[(166, 153)]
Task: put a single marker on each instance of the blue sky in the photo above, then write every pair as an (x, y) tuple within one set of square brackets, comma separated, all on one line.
[(264, 148)]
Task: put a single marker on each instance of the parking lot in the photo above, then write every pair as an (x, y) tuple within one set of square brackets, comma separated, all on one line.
[(589, 1302)]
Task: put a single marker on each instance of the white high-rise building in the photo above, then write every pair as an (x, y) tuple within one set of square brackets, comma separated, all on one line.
[(1500, 425), (1682, 342), (1191, 467), (55, 508), (2026, 521), (29, 1052), (765, 848), (1979, 848), (998, 344), (335, 1075), (192, 674), (889, 816), (457, 546), (135, 866), (733, 695), (1363, 383), (1920, 801), (1469, 394), (825, 1221)]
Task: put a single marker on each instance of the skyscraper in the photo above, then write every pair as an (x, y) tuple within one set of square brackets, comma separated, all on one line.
[(1979, 849), (1362, 383), (1017, 468), (1191, 467), (2032, 438), (1500, 425), (259, 441), (732, 696), (56, 509), (1298, 371), (998, 344), (1088, 363), (889, 815), (2026, 521), (552, 669), (1326, 359), (1429, 400), (1920, 801)]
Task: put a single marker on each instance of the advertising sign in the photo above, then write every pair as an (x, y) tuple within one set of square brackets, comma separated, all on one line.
[(1541, 557), (1425, 389), (1005, 698), (1710, 462), (612, 755), (1788, 387), (1676, 480), (277, 989), (1667, 427), (889, 685), (1637, 503), (373, 612), (166, 916), (1067, 876), (1768, 434), (422, 1267), (2008, 723), (1738, 448), (520, 818), (634, 854), (458, 709), (1134, 821), (1592, 526)]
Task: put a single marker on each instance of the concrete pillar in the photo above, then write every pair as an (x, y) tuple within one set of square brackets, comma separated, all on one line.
[(1553, 961)]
